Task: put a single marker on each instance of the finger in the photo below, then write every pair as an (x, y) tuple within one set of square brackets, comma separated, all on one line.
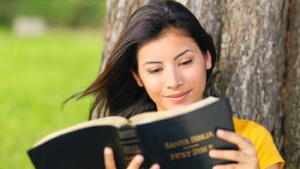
[(242, 160), (230, 155), (248, 140), (242, 143), (155, 166), (226, 166), (109, 160), (136, 162)]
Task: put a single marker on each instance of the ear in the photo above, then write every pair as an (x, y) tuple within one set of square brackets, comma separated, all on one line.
[(208, 63), (137, 78)]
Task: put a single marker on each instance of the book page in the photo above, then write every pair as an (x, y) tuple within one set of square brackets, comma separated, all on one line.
[(148, 117), (116, 121)]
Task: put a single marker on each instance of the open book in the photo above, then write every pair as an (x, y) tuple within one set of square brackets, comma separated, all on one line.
[(179, 138)]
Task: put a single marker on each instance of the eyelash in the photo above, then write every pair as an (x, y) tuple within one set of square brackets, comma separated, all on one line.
[(157, 70), (154, 71), (186, 62)]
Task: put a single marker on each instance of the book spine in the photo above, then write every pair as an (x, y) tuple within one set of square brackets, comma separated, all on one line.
[(130, 142)]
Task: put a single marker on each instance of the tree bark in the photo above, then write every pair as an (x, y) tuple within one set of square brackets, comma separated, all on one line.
[(251, 60), (118, 12), (291, 89), (259, 68), (212, 23)]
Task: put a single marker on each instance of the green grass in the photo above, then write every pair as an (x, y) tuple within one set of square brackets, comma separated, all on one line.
[(36, 75)]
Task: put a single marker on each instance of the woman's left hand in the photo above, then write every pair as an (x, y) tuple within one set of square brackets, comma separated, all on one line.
[(245, 156)]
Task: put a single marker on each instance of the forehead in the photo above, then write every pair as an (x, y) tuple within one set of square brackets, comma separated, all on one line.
[(163, 33), (169, 43)]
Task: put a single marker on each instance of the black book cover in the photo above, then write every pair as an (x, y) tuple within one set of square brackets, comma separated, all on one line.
[(176, 139), (82, 149), (183, 142)]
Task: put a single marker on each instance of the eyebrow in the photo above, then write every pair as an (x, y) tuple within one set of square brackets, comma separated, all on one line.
[(182, 53), (176, 57)]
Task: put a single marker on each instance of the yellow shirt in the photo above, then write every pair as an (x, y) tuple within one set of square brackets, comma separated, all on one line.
[(262, 140)]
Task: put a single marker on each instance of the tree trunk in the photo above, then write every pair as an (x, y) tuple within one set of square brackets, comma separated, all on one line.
[(291, 89), (251, 60), (118, 12), (259, 68), (211, 24)]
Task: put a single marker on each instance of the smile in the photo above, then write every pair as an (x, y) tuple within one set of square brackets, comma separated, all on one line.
[(178, 97)]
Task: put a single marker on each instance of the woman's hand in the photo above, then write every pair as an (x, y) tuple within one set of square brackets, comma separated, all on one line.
[(245, 156), (135, 163)]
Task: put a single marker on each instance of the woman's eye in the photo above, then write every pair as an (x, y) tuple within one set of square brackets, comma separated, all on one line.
[(186, 62), (154, 71)]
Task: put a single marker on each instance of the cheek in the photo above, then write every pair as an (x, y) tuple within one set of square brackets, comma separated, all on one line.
[(197, 76), (195, 80), (152, 86)]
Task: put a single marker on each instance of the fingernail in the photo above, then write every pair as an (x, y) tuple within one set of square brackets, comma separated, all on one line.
[(212, 153), (139, 158), (155, 166), (220, 132), (107, 150)]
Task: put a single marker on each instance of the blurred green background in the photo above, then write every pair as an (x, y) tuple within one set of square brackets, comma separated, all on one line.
[(49, 50)]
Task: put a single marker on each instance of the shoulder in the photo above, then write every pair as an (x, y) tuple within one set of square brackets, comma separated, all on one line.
[(261, 139), (254, 131), (249, 128)]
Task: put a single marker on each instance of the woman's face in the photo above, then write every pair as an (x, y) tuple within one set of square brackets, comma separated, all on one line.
[(172, 69)]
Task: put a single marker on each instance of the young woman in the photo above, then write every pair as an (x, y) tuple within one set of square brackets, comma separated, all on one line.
[(163, 60)]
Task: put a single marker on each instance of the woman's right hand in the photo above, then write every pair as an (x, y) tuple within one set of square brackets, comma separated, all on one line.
[(135, 163)]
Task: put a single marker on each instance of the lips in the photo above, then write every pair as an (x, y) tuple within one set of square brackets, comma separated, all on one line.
[(178, 96)]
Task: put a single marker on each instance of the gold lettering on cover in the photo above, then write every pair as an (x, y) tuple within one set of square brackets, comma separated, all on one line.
[(200, 150), (188, 147), (201, 137), (179, 143), (180, 155)]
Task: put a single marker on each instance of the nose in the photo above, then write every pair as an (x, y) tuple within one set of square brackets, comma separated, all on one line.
[(174, 79)]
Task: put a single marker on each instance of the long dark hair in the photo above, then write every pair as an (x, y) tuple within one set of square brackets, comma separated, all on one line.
[(115, 90)]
